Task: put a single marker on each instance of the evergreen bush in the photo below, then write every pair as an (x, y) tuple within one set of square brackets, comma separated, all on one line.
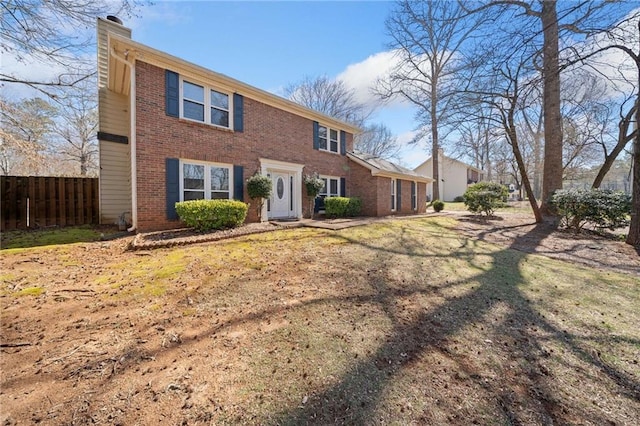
[(342, 206), (485, 197), (206, 215), (601, 208)]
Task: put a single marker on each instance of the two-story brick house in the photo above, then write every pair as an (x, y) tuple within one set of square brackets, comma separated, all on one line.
[(170, 131)]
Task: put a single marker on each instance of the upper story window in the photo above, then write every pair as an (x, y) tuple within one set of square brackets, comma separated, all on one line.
[(205, 181), (206, 105), (327, 139)]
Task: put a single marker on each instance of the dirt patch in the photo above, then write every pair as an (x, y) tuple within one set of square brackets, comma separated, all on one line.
[(520, 232), (398, 322)]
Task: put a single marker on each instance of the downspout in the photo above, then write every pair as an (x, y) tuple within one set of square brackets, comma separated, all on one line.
[(132, 138)]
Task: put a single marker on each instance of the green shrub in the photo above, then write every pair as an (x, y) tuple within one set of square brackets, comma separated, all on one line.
[(259, 189), (601, 208), (342, 206), (205, 215), (437, 205), (458, 199), (485, 197)]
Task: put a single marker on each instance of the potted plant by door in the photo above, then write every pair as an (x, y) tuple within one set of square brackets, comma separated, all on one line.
[(313, 185)]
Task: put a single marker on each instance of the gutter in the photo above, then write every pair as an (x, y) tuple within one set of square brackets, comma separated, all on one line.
[(132, 137)]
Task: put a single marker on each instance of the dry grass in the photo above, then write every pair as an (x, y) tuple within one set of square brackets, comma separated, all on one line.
[(394, 323)]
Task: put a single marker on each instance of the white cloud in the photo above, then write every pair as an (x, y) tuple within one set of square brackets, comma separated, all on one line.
[(362, 76), (29, 69)]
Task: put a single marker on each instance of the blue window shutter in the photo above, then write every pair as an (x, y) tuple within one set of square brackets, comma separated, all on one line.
[(238, 112), (318, 204), (343, 187), (343, 142), (316, 140), (238, 183), (398, 194), (413, 195), (172, 93), (173, 186)]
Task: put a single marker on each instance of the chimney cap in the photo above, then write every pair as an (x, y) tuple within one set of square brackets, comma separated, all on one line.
[(114, 18)]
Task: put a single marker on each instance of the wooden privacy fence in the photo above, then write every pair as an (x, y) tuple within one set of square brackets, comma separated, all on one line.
[(33, 201)]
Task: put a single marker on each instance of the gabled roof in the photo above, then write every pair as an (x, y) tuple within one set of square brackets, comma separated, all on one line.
[(453, 160), (382, 167), (123, 49)]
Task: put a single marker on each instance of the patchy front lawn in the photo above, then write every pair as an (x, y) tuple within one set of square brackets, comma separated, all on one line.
[(395, 322)]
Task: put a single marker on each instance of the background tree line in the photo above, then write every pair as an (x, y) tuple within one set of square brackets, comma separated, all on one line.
[(531, 91), (534, 92)]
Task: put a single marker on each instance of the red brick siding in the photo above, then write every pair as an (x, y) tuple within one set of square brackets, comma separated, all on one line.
[(268, 133), (361, 184), (375, 193)]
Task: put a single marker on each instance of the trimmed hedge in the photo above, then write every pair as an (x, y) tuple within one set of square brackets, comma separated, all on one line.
[(342, 206), (437, 205), (206, 215), (602, 208), (485, 197)]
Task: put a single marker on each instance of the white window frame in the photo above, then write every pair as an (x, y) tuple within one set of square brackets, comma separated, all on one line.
[(414, 198), (207, 103), (337, 139), (207, 177), (328, 186), (394, 199)]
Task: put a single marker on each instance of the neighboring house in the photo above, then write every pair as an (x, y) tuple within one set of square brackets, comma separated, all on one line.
[(455, 176), (171, 131)]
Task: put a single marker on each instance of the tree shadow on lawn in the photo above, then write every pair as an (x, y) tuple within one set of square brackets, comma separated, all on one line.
[(532, 399), (357, 394)]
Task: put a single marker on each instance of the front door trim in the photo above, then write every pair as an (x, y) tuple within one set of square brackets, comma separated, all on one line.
[(268, 166)]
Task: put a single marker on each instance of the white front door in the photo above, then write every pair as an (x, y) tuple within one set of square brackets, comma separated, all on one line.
[(281, 203)]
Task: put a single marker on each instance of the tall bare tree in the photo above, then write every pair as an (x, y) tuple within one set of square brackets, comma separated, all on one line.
[(25, 126), (428, 38), (76, 128), (329, 96), (55, 33), (378, 140), (334, 98), (553, 19), (620, 39), (504, 93)]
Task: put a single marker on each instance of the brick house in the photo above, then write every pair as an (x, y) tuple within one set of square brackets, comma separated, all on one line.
[(171, 131)]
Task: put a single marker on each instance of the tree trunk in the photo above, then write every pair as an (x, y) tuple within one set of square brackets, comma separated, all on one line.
[(633, 237), (537, 163), (513, 138), (623, 139), (552, 171), (435, 146), (487, 163)]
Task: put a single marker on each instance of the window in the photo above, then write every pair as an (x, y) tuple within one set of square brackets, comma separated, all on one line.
[(393, 194), (200, 103), (328, 139), (332, 190), (414, 196), (205, 181)]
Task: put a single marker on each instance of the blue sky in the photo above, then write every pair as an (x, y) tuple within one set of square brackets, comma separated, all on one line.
[(272, 44)]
